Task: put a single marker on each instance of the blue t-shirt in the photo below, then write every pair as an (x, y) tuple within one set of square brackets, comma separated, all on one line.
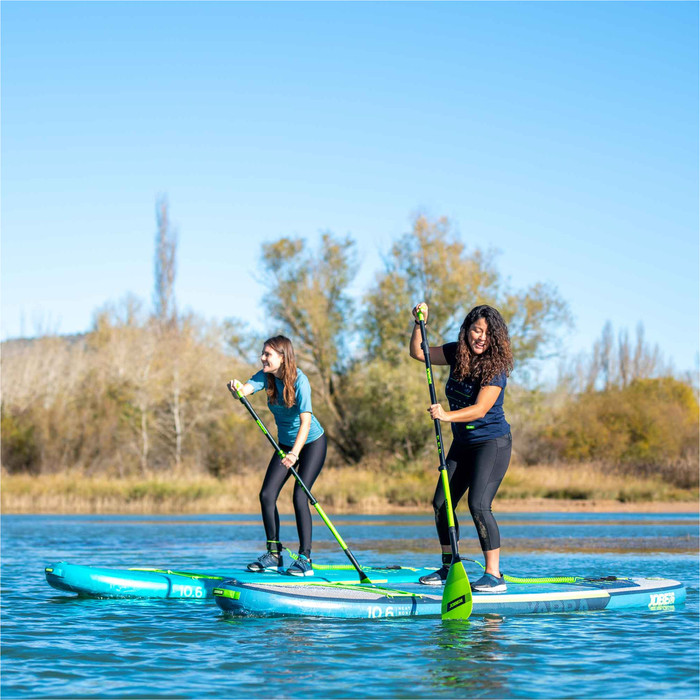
[(288, 420), (461, 394)]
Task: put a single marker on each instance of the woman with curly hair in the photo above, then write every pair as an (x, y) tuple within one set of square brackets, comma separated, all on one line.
[(480, 362)]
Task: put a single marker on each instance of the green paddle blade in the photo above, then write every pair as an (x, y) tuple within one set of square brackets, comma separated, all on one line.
[(457, 594)]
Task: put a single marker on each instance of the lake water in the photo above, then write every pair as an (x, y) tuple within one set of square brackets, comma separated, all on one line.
[(55, 645)]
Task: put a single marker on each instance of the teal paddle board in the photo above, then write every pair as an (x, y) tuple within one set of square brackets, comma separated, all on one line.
[(166, 583)]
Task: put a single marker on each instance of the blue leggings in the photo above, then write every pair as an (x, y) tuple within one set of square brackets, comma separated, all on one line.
[(478, 468), (311, 459)]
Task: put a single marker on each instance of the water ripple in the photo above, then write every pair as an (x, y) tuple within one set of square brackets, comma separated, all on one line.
[(56, 645)]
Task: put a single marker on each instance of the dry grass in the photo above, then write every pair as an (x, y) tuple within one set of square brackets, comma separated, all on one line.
[(347, 490), (587, 482)]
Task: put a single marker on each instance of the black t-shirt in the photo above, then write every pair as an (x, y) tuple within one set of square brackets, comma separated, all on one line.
[(461, 394)]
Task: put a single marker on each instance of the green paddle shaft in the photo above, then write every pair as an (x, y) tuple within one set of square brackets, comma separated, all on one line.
[(457, 594), (241, 397)]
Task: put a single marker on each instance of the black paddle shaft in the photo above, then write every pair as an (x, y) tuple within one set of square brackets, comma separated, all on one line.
[(438, 436), (433, 396)]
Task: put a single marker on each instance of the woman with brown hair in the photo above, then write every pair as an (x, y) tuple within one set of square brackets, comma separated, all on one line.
[(480, 362), (301, 438)]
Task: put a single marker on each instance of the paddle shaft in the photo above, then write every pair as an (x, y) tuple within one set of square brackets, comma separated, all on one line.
[(457, 593), (363, 576), (438, 436)]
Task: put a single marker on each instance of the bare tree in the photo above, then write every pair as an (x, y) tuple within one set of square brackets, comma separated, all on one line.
[(606, 355), (165, 257), (167, 319), (615, 365)]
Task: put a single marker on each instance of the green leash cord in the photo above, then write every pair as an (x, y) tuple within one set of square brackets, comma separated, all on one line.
[(380, 590), (542, 579), (552, 579), (510, 579), (349, 567)]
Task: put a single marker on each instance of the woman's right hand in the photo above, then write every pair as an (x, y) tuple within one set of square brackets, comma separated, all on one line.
[(423, 307)]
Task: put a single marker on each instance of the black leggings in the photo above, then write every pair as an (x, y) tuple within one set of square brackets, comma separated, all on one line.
[(311, 459), (478, 468)]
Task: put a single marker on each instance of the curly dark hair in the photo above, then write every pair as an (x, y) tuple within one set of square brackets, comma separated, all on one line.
[(498, 358)]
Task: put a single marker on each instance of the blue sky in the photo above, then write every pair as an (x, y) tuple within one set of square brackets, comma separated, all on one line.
[(564, 134)]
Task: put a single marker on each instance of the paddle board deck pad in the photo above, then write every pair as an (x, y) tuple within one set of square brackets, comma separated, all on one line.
[(236, 598), (165, 583)]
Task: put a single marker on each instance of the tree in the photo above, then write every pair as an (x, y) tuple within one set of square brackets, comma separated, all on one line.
[(614, 364), (648, 423), (126, 343), (166, 318), (432, 264), (165, 257), (192, 394), (307, 296)]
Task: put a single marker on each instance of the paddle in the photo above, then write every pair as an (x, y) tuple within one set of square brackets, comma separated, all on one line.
[(457, 594), (234, 387)]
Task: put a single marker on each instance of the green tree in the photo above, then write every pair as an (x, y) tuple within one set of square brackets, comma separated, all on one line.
[(646, 424), (308, 297), (432, 264), (20, 451)]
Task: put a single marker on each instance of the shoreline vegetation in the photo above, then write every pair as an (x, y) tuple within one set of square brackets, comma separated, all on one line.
[(551, 488), (133, 416)]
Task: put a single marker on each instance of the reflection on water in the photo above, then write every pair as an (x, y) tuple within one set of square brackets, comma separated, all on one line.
[(468, 656)]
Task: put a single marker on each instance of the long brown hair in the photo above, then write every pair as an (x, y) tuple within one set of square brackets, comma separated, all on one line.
[(283, 345), (498, 357)]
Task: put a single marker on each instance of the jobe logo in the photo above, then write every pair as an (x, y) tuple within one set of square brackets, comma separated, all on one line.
[(456, 603), (656, 599)]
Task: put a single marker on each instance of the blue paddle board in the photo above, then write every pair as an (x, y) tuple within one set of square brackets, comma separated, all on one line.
[(237, 598)]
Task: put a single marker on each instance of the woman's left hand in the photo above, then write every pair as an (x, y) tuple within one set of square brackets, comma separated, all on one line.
[(437, 413), (290, 460)]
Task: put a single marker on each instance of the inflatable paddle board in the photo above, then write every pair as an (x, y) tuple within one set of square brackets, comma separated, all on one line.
[(318, 599), (165, 583)]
